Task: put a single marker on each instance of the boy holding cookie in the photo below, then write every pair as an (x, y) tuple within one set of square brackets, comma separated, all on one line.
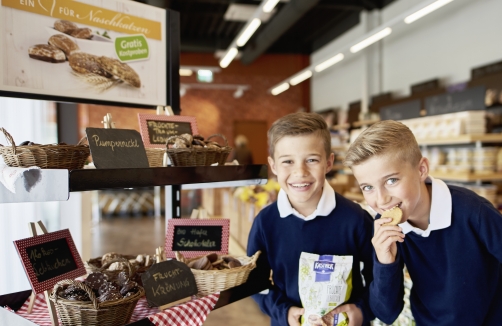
[(448, 237), (308, 216)]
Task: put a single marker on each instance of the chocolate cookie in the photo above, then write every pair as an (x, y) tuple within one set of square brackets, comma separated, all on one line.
[(46, 52), (65, 26), (109, 287), (121, 70), (86, 63), (129, 287), (64, 43), (212, 257), (109, 296), (95, 280), (85, 33), (122, 278)]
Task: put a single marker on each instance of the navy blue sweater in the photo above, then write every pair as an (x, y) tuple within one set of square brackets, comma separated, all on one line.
[(347, 230), (456, 271)]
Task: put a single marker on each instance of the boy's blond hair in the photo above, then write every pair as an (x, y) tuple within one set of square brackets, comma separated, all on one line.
[(382, 138), (297, 124)]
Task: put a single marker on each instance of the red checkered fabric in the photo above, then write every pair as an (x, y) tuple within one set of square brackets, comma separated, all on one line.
[(191, 313)]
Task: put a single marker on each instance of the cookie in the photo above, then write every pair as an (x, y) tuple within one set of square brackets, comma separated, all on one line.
[(234, 263), (46, 52), (85, 63), (110, 296), (122, 278), (64, 43), (65, 26), (84, 33), (212, 257), (109, 287), (120, 70), (129, 287), (95, 280), (202, 264), (395, 213), (328, 319)]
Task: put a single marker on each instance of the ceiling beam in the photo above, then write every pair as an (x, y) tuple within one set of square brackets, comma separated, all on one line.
[(276, 27)]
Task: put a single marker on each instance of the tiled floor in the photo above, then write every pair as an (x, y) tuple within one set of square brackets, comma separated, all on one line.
[(134, 235)]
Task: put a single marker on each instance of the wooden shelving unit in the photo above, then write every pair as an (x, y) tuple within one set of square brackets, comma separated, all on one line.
[(353, 196), (361, 123), (341, 126), (467, 177), (462, 139)]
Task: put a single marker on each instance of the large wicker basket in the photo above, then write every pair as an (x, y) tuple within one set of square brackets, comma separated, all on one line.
[(44, 156), (212, 281), (90, 313), (193, 156)]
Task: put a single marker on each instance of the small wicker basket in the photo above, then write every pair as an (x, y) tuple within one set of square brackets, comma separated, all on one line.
[(91, 313), (55, 156), (192, 156), (212, 281), (155, 157)]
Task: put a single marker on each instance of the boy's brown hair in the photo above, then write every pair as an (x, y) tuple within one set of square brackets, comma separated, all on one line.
[(382, 138), (296, 124)]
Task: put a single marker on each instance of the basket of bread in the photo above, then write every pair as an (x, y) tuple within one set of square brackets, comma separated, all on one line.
[(215, 273), (188, 150), (98, 300), (52, 156)]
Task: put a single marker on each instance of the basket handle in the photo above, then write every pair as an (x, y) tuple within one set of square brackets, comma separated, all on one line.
[(81, 141), (9, 138), (221, 136), (79, 285), (119, 259), (254, 258), (180, 257)]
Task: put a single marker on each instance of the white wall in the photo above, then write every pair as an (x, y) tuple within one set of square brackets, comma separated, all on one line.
[(445, 44)]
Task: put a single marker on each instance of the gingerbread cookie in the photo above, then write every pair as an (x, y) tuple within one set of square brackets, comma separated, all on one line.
[(85, 63), (64, 43), (65, 26), (120, 70), (84, 33), (46, 52)]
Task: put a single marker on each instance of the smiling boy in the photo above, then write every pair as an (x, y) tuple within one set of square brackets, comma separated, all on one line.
[(308, 216), (449, 238)]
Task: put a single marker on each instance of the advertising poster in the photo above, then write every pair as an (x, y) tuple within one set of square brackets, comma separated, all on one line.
[(110, 50)]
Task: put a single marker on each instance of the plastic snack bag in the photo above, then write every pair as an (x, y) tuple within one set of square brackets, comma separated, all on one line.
[(325, 282)]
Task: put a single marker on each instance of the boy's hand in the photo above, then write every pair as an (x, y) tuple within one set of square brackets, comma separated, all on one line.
[(354, 314), (294, 314), (384, 240)]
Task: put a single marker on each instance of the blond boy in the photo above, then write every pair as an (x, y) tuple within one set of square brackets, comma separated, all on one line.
[(449, 238), (308, 216)]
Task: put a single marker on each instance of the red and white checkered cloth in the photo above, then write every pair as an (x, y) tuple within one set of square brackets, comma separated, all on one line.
[(191, 313)]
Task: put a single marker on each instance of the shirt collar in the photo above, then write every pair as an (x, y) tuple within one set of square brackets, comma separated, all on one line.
[(440, 216), (326, 204)]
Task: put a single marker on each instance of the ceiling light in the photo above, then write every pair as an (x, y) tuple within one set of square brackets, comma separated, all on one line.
[(279, 89), (186, 72), (301, 77), (270, 5), (248, 32), (238, 93), (370, 40), (205, 75), (426, 10), (228, 57), (328, 63)]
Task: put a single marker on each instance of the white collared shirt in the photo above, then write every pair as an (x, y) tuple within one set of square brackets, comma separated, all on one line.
[(440, 216), (326, 204)]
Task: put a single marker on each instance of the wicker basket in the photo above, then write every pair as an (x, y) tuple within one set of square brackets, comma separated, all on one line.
[(44, 156), (90, 313), (155, 156), (212, 281), (94, 265), (192, 156)]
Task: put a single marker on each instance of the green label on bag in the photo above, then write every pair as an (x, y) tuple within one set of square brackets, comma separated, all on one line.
[(131, 48)]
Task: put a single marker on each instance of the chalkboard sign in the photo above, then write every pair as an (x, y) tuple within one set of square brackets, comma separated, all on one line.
[(425, 86), (468, 100), (116, 148), (167, 282), (197, 237), (155, 129), (401, 111), (49, 258)]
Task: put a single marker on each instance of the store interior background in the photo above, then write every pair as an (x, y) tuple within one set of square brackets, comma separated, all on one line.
[(445, 45)]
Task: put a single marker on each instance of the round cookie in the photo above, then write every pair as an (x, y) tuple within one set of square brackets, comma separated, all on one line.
[(121, 70), (65, 26), (395, 213), (95, 280), (86, 63), (64, 43)]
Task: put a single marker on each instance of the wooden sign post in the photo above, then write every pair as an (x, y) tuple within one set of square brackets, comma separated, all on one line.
[(197, 237), (48, 258), (168, 283)]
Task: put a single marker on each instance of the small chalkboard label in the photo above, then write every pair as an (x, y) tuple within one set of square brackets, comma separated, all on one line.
[(467, 100), (155, 129), (50, 258), (116, 148), (401, 111), (197, 237), (168, 282)]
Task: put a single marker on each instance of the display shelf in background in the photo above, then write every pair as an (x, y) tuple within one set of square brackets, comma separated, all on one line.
[(467, 177), (462, 139), (353, 196), (342, 126), (361, 123)]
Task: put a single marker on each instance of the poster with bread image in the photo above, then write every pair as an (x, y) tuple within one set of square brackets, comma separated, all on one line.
[(111, 50)]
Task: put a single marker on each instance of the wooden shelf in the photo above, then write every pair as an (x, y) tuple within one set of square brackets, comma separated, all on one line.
[(341, 126), (467, 177), (462, 139), (364, 123)]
